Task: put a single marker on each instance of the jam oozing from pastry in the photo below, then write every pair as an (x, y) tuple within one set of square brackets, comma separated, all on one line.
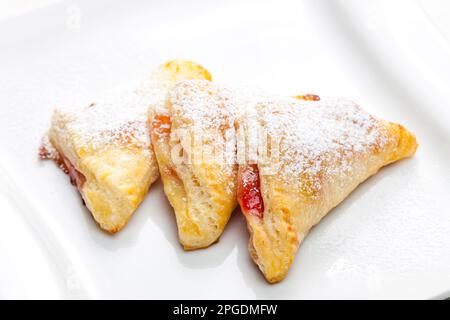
[(48, 152), (161, 125), (76, 177), (308, 97), (44, 153), (249, 192)]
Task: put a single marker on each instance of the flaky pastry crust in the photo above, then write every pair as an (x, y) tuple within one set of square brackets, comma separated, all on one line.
[(114, 168), (326, 152)]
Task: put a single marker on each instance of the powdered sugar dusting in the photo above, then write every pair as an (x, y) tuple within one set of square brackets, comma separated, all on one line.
[(205, 113), (118, 116), (203, 103), (317, 138), (47, 150), (300, 139)]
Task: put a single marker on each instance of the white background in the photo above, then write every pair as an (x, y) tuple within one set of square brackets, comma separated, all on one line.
[(389, 239)]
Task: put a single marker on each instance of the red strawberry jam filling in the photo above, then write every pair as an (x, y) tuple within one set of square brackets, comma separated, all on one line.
[(249, 191), (161, 125), (46, 151), (309, 97), (76, 177)]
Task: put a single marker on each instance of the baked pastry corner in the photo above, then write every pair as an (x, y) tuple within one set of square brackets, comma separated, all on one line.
[(326, 149), (104, 145), (200, 188)]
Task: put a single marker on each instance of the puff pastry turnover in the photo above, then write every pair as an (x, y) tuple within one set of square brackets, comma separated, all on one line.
[(318, 152), (194, 145), (105, 148)]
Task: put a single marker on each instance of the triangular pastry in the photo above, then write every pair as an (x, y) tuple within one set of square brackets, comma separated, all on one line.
[(105, 148), (318, 152), (193, 139)]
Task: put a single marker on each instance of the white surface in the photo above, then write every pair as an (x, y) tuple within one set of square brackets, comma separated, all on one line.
[(11, 8), (389, 239)]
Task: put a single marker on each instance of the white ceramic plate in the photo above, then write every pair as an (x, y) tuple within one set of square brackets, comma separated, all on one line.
[(389, 239)]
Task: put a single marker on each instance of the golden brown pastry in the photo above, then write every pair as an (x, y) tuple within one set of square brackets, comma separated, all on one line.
[(105, 146), (319, 151), (193, 139)]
